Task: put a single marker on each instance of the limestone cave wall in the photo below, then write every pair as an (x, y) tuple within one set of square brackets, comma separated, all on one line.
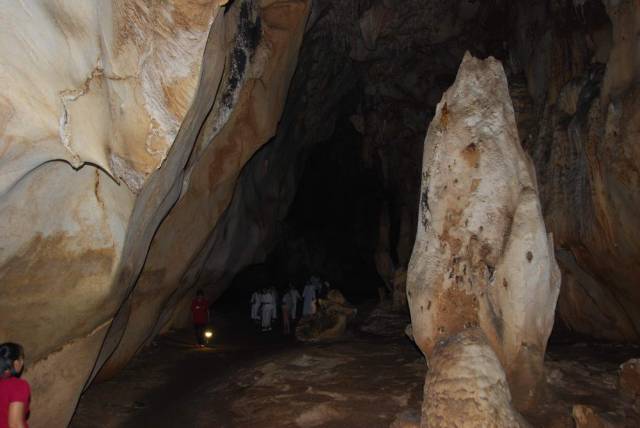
[(124, 126), (575, 68)]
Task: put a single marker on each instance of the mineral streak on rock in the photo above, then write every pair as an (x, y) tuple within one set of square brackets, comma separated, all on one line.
[(583, 139), (482, 256)]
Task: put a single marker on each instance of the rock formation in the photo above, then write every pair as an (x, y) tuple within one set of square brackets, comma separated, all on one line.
[(113, 114), (466, 386), (630, 379), (482, 256), (329, 322), (581, 75), (588, 417), (246, 115)]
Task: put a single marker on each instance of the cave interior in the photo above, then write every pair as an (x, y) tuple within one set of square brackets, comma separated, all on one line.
[(314, 153)]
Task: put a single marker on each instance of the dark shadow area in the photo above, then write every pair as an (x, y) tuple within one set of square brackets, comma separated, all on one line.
[(331, 228)]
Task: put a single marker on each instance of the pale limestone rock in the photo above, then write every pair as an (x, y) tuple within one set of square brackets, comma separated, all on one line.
[(91, 85), (225, 143), (482, 256), (106, 83), (100, 109), (466, 386)]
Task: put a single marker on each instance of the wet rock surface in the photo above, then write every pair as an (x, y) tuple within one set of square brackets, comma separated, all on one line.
[(581, 80)]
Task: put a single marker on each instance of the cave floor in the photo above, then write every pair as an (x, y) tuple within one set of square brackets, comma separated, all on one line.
[(251, 379)]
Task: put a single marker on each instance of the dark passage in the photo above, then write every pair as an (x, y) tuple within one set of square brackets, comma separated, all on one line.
[(331, 229)]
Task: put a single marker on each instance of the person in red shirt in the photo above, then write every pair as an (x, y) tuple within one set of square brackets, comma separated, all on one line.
[(15, 393), (200, 314)]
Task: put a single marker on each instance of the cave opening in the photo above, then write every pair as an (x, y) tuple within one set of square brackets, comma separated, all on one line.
[(331, 229), (455, 182)]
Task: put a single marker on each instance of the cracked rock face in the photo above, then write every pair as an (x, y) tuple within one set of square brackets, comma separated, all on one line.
[(110, 86), (116, 117), (482, 257)]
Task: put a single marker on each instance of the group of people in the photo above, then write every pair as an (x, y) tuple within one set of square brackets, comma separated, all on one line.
[(265, 303)]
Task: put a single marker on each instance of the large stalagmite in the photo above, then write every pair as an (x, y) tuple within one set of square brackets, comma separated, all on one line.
[(482, 257)]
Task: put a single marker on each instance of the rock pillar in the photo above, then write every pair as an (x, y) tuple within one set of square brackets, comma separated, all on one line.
[(482, 257)]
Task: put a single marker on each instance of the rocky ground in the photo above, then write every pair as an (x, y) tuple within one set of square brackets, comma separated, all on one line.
[(247, 379), (372, 378), (583, 387)]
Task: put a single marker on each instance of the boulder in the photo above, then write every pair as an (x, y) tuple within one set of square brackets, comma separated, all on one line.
[(330, 320), (482, 257), (630, 378), (588, 417)]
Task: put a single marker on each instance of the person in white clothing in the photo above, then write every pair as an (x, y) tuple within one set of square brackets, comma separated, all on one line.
[(255, 306), (266, 298), (309, 296), (293, 299)]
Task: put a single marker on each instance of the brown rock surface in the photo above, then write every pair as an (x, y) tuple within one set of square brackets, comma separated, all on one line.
[(582, 75), (329, 322), (630, 378), (588, 417), (482, 256), (388, 93)]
